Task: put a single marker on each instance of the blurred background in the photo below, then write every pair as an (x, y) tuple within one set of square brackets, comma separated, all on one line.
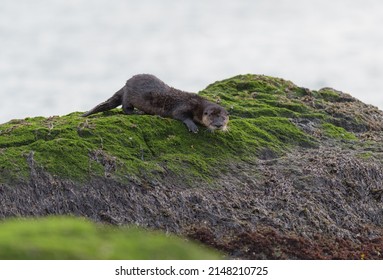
[(61, 56)]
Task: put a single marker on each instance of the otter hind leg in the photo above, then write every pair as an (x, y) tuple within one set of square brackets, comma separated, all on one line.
[(127, 109), (127, 106)]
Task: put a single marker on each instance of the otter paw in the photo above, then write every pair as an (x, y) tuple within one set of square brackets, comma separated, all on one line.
[(192, 128)]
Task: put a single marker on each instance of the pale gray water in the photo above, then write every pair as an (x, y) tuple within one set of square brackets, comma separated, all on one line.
[(60, 56)]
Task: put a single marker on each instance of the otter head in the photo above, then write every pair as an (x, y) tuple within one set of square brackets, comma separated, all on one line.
[(215, 117)]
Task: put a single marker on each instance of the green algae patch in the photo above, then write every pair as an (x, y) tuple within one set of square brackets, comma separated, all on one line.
[(119, 146), (13, 165), (252, 96), (264, 112), (68, 238), (337, 132), (365, 155), (327, 94)]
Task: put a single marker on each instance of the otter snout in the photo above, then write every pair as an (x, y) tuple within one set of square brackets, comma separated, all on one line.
[(222, 127), (215, 118), (219, 123)]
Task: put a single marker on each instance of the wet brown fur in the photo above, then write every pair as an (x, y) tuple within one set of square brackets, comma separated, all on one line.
[(152, 96)]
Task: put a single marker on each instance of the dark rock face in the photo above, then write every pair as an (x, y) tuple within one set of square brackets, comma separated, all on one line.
[(310, 204), (310, 188)]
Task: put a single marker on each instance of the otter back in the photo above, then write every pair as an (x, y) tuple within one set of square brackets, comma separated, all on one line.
[(152, 96)]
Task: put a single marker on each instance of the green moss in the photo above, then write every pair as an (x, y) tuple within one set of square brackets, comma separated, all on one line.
[(284, 131), (262, 96), (72, 238), (327, 94), (249, 83), (262, 110), (13, 164), (365, 155), (337, 132)]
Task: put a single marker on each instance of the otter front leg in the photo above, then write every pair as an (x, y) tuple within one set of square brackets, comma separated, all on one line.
[(186, 119), (190, 125)]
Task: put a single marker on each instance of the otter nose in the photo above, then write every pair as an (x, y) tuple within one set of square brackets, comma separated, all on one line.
[(219, 125)]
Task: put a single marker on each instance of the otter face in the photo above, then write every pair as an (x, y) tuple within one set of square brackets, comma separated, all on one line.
[(215, 117)]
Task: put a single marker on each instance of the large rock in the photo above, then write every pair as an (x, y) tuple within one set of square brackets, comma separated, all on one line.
[(298, 175)]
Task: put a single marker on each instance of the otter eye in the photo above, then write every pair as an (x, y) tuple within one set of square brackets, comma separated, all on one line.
[(205, 113)]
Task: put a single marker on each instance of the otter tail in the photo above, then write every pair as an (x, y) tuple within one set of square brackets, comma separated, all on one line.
[(109, 104)]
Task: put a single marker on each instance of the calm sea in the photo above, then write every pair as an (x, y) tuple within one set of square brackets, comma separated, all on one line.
[(60, 56)]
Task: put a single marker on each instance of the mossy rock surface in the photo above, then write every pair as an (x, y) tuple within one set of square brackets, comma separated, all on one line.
[(265, 116), (297, 176), (71, 238)]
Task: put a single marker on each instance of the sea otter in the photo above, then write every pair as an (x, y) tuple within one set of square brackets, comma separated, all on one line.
[(152, 96)]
